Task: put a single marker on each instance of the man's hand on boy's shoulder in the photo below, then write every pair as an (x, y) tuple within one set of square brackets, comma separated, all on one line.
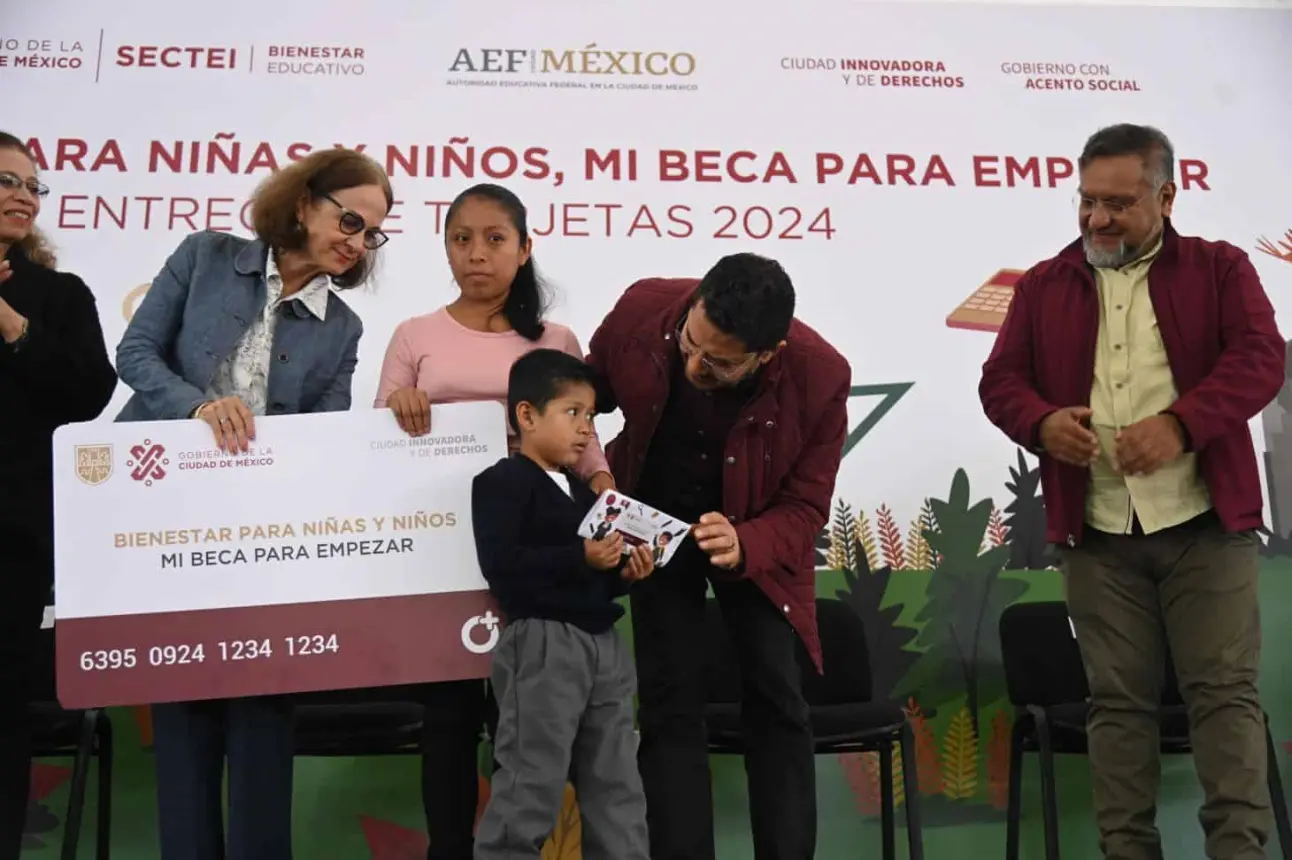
[(640, 564), (604, 554)]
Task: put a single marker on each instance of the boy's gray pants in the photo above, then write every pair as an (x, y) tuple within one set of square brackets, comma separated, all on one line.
[(565, 703)]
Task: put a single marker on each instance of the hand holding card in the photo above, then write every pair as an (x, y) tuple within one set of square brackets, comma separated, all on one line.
[(640, 564), (637, 524), (603, 553)]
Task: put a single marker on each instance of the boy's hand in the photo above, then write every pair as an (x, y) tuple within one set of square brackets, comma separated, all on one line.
[(604, 554), (641, 562)]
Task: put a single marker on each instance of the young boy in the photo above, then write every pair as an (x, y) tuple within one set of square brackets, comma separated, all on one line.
[(563, 678)]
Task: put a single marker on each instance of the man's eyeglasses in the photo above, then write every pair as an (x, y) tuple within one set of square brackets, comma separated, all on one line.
[(352, 223), (723, 370), (1087, 205), (12, 182)]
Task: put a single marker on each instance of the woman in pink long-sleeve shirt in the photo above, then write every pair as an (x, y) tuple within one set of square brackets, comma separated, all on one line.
[(464, 351)]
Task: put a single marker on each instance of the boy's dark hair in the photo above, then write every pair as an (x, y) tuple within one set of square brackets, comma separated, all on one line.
[(527, 299), (1151, 145), (750, 298), (540, 376)]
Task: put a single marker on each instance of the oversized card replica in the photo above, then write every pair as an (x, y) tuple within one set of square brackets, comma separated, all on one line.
[(336, 553), (638, 523)]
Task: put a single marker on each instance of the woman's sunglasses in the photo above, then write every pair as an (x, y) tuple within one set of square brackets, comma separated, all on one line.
[(352, 223)]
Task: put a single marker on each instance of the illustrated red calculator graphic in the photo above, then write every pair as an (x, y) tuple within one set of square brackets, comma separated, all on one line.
[(985, 310)]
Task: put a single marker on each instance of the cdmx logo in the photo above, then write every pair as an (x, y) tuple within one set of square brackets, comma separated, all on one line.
[(147, 462), (491, 623)]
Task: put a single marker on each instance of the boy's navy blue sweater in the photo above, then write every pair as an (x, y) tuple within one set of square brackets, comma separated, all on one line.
[(526, 531)]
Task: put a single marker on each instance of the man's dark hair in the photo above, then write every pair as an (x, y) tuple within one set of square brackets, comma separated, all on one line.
[(540, 376), (750, 298), (1152, 146)]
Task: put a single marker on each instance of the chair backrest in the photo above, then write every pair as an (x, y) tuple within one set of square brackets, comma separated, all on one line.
[(1043, 662), (845, 658), (1040, 655)]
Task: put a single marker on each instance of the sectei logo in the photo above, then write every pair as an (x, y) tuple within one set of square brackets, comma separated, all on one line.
[(148, 462)]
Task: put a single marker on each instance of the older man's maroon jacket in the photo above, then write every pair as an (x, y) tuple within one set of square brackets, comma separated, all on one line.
[(1221, 341), (782, 455)]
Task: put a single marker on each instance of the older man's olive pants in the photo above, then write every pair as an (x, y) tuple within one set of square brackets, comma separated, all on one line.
[(1193, 586)]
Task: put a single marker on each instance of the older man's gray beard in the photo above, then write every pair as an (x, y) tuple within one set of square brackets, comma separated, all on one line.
[(1113, 258)]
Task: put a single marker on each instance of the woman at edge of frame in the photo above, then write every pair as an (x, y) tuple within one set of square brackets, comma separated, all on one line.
[(54, 370)]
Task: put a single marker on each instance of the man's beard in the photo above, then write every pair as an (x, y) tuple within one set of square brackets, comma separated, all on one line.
[(1109, 258)]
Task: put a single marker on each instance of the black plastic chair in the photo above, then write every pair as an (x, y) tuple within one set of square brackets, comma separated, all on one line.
[(81, 736), (1047, 685), (366, 722), (844, 717)]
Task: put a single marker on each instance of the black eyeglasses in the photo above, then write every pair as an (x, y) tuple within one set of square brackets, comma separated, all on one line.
[(727, 372), (12, 182), (352, 223)]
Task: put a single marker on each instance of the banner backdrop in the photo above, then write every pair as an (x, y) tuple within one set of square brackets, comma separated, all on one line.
[(904, 162)]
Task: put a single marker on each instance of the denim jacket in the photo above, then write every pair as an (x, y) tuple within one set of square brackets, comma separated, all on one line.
[(197, 310)]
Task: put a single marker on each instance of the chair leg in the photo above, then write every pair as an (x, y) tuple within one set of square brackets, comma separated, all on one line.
[(76, 796), (103, 826), (911, 790), (1049, 801), (1014, 810), (887, 825), (1277, 799)]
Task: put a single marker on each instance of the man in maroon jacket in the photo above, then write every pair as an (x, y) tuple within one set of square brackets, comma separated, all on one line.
[(735, 415), (1132, 363)]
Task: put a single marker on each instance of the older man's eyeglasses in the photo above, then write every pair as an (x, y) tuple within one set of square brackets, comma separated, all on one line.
[(352, 223), (1087, 205), (12, 182)]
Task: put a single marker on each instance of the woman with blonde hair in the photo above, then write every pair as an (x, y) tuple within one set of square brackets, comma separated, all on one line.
[(233, 329), (54, 370)]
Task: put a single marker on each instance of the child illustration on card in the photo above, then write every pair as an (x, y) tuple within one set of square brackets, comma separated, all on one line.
[(607, 523), (662, 541)]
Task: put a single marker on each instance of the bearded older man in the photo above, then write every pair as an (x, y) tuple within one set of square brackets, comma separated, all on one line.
[(1131, 364)]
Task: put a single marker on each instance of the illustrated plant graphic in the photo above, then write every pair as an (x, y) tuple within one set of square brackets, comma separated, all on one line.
[(998, 759), (928, 762), (886, 639), (389, 841), (960, 757), (965, 596), (1279, 249), (1025, 519), (566, 841)]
